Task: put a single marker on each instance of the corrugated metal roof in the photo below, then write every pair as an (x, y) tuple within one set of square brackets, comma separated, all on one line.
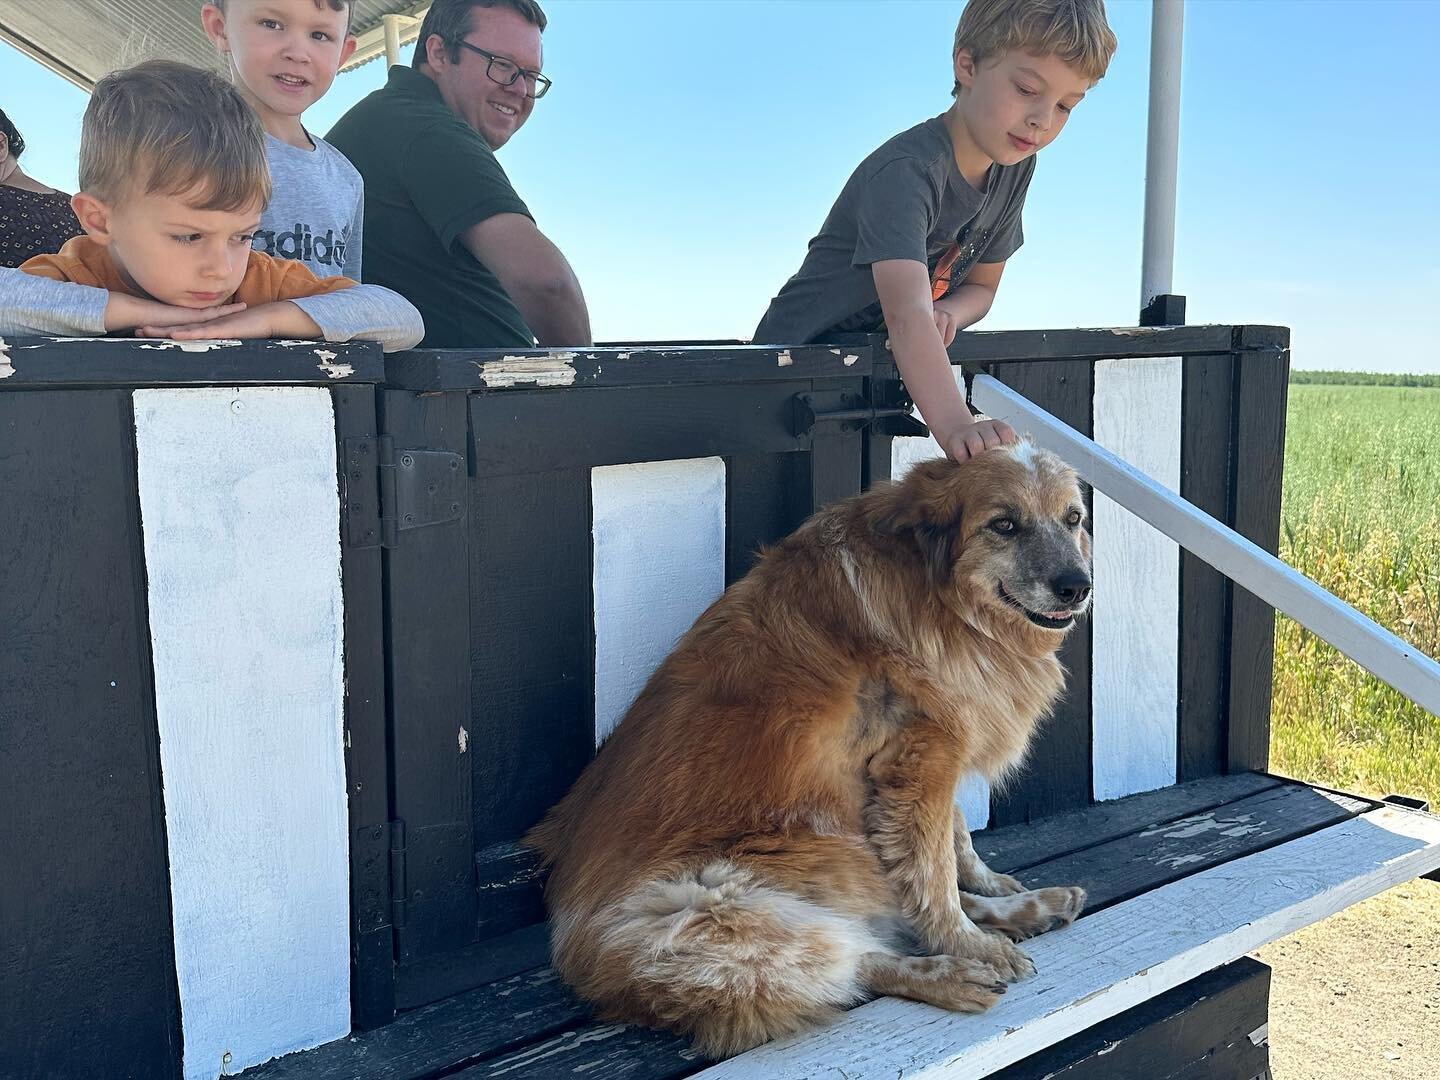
[(84, 39)]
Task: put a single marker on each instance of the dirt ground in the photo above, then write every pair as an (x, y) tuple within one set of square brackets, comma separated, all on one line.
[(1358, 996)]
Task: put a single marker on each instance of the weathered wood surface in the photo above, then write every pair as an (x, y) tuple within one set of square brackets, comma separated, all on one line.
[(1115, 959), (31, 363), (626, 365)]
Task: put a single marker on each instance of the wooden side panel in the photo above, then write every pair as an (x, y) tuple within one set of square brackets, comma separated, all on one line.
[(1135, 616), (766, 497), (1205, 466), (427, 600), (367, 755), (1261, 390), (242, 551), (1211, 1028), (87, 968), (1057, 776)]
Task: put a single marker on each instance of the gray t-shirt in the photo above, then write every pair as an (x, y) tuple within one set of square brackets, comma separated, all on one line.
[(316, 213), (907, 200)]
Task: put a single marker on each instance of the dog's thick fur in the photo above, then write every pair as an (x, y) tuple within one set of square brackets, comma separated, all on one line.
[(770, 834)]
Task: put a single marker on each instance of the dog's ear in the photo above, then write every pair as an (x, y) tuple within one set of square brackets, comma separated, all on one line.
[(926, 511)]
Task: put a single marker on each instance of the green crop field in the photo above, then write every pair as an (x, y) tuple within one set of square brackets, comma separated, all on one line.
[(1361, 515)]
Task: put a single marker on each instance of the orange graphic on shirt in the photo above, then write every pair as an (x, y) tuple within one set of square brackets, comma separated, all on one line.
[(940, 278)]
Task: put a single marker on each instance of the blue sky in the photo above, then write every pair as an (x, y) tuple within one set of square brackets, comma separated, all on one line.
[(690, 148)]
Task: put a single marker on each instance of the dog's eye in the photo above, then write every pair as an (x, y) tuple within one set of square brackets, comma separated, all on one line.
[(1074, 518), (1003, 526)]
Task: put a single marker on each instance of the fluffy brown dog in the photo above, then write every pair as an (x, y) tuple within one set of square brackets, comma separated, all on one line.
[(770, 835)]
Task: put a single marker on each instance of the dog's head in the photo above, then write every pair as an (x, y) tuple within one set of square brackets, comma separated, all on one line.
[(1003, 532)]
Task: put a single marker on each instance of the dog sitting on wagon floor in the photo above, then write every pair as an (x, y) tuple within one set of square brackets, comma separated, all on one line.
[(770, 835)]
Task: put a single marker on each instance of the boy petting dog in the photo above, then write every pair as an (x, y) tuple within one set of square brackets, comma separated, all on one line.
[(770, 834), (917, 241)]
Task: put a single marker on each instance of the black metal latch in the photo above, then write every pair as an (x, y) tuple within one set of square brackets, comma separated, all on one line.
[(853, 413), (385, 491)]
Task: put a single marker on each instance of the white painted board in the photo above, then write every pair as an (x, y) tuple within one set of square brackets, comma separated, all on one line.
[(239, 505), (659, 561), (1135, 617), (1111, 961)]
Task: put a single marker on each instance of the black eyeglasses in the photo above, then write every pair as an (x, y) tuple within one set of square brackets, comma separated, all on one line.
[(505, 72)]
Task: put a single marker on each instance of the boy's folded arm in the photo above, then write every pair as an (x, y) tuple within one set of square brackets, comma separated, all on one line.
[(365, 313), (30, 304)]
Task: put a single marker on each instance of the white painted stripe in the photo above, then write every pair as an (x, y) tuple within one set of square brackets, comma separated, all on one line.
[(1109, 962), (659, 534), (1135, 667), (1380, 652), (241, 524), (973, 794)]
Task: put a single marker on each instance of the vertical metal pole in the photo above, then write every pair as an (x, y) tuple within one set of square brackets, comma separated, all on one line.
[(1162, 150), (392, 40)]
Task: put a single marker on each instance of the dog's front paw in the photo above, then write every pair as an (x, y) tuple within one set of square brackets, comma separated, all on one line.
[(996, 951), (989, 883)]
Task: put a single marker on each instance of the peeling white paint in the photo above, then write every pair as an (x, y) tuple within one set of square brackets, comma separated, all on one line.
[(784, 359), (850, 360), (1261, 1035), (193, 346), (331, 369), (6, 368), (553, 370), (464, 740)]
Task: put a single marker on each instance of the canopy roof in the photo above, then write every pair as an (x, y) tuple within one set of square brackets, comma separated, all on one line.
[(84, 39)]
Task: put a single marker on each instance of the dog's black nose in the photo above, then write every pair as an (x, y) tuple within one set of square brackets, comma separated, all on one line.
[(1072, 587)]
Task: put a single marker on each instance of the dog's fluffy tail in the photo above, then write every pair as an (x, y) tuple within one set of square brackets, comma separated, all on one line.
[(716, 955)]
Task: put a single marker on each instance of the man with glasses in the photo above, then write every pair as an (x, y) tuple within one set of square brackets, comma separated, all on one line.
[(443, 226)]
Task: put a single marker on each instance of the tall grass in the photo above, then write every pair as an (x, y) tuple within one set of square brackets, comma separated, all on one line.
[(1360, 515)]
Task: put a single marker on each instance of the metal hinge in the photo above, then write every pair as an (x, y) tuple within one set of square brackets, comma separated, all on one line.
[(399, 890), (852, 412), (385, 491)]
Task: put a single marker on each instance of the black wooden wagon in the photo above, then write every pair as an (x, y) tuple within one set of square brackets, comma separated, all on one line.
[(298, 640)]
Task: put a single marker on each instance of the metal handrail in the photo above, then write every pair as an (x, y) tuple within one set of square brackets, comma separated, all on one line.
[(1365, 641)]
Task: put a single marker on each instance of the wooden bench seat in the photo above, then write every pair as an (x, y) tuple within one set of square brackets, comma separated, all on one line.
[(1181, 881)]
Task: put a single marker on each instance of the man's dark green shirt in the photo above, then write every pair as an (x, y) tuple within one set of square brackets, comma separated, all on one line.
[(428, 178)]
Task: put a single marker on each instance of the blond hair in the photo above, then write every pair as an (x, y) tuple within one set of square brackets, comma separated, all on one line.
[(1073, 30), (165, 128)]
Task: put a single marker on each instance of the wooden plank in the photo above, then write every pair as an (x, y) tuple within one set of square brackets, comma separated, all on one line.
[(611, 1051), (1381, 652), (242, 556), (428, 676), (1056, 776), (1156, 856), (367, 758), (1110, 343), (533, 713), (766, 497), (33, 362), (616, 426), (1019, 847), (1203, 1028), (475, 965), (1135, 614), (626, 365), (1113, 960), (1261, 387), (87, 968), (439, 1038), (1205, 468)]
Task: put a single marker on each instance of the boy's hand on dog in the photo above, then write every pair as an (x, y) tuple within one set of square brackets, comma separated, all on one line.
[(976, 437)]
